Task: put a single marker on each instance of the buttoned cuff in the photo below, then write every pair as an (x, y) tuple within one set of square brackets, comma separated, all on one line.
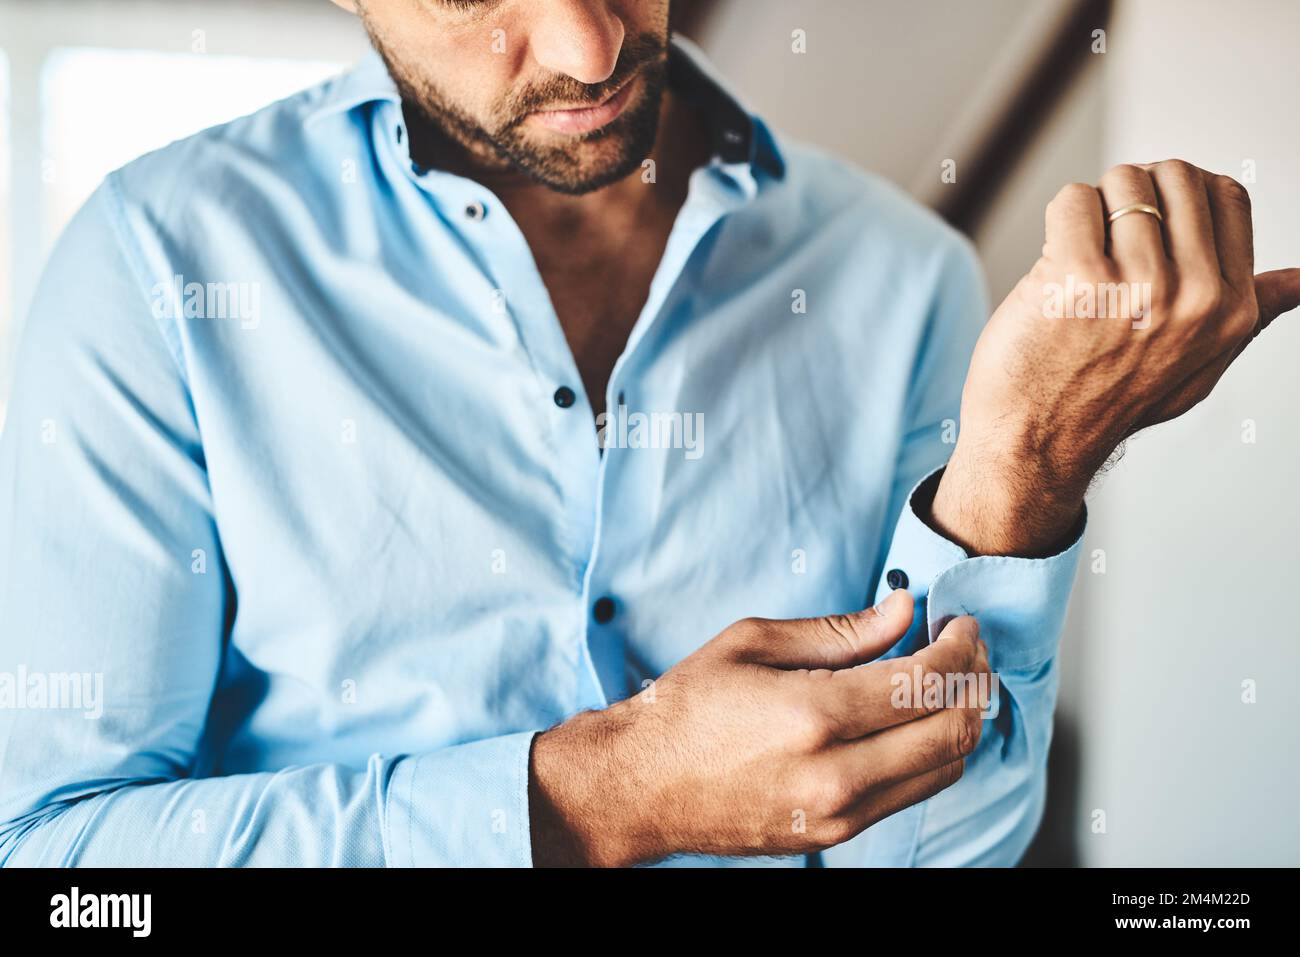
[(1020, 603), (462, 806)]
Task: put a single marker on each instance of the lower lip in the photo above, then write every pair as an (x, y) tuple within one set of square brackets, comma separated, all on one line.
[(574, 122)]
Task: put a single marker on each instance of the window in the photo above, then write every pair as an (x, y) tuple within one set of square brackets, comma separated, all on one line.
[(87, 87), (102, 108), (5, 258)]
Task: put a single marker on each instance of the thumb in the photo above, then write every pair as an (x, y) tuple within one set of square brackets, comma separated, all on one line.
[(835, 641), (1277, 292)]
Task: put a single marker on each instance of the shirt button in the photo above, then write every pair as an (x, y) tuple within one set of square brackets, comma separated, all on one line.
[(897, 578), (475, 212), (603, 610), (564, 397)]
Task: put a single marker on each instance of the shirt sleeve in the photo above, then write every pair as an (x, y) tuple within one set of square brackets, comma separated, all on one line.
[(113, 586), (991, 814)]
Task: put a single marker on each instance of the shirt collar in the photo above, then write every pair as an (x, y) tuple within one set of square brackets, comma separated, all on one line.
[(738, 135)]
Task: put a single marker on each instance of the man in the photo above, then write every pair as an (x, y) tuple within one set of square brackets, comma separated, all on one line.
[(365, 582)]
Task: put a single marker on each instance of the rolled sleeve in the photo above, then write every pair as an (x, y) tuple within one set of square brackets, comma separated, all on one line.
[(462, 806)]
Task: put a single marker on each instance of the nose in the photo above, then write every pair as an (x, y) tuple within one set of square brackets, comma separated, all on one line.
[(579, 38)]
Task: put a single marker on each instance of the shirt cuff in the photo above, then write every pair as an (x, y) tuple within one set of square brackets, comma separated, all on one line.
[(462, 806), (1020, 603)]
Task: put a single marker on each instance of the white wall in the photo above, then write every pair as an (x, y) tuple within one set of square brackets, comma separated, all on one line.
[(886, 83), (1202, 530)]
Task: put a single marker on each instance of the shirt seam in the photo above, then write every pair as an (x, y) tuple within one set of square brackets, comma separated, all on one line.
[(386, 829), (134, 257), (410, 812), (524, 851)]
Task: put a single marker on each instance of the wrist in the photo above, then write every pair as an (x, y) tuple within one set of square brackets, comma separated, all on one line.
[(579, 812), (1005, 500)]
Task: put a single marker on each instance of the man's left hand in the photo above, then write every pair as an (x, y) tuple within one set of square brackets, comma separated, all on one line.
[(1119, 325)]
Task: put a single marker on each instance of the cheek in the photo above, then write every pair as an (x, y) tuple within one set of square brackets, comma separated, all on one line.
[(468, 63), (644, 16), (481, 68), (472, 82)]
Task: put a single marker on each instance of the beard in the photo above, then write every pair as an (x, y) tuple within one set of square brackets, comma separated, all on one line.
[(588, 161)]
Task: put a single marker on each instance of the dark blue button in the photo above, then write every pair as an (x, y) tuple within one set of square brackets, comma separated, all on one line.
[(565, 397), (897, 578), (603, 610)]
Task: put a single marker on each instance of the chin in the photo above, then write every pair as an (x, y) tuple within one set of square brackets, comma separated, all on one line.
[(591, 163), (579, 182)]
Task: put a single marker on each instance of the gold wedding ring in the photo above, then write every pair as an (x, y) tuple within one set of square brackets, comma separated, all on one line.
[(1135, 208)]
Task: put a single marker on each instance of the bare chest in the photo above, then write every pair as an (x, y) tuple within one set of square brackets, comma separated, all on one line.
[(597, 300)]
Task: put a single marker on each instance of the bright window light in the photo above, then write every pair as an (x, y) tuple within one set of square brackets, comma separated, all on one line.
[(6, 323), (103, 108)]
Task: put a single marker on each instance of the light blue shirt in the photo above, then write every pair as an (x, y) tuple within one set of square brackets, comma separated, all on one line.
[(285, 476)]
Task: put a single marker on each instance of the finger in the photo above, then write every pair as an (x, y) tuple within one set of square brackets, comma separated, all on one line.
[(1189, 228), (1233, 231), (835, 641), (1075, 227), (1136, 239), (1189, 393), (859, 701), (904, 751), (879, 805), (981, 695), (1277, 292)]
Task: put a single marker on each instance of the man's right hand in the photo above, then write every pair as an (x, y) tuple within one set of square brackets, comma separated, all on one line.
[(774, 738)]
